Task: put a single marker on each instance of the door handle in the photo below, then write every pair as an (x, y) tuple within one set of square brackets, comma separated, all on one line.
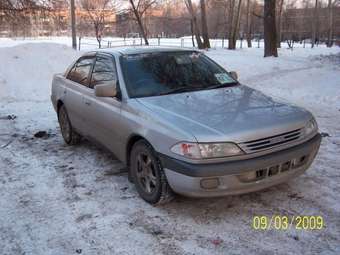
[(87, 102)]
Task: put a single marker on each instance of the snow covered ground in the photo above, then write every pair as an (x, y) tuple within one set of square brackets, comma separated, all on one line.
[(56, 199)]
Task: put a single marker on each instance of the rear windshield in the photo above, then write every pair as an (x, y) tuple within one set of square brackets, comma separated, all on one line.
[(161, 73)]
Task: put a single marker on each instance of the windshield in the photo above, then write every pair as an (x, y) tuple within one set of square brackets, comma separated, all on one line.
[(161, 73)]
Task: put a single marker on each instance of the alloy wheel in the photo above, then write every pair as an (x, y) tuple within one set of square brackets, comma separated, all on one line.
[(64, 124), (146, 173)]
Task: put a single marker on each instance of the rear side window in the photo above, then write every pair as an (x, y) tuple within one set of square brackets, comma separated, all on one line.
[(104, 71), (80, 72)]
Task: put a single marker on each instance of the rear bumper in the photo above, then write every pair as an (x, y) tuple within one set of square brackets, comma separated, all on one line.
[(242, 176)]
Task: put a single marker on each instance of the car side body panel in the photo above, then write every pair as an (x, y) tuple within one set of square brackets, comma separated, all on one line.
[(70, 94)]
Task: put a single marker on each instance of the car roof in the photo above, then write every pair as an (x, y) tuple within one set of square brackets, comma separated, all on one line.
[(130, 50)]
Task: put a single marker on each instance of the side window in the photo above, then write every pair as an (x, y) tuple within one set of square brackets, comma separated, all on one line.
[(80, 72), (104, 71)]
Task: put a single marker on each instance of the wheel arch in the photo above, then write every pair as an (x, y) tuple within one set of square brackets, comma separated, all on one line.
[(59, 104), (133, 139)]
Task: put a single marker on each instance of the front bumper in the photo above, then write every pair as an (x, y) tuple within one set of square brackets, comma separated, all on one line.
[(242, 176)]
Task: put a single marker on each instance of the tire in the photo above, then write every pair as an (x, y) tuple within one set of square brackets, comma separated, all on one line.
[(70, 136), (148, 175)]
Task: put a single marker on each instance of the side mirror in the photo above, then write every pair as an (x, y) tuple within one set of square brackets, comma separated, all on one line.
[(233, 75), (106, 90)]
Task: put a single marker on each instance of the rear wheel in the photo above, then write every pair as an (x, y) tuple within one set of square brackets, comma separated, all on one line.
[(70, 136), (148, 175)]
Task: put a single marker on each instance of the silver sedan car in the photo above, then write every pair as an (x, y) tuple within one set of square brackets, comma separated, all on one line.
[(181, 123)]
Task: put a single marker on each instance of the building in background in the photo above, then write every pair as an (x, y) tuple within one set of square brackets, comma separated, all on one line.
[(48, 22), (169, 19)]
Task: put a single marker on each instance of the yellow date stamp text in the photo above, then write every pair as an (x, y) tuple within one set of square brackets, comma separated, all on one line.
[(281, 222)]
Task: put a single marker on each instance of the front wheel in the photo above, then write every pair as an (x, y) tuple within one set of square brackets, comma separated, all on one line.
[(70, 136), (148, 175)]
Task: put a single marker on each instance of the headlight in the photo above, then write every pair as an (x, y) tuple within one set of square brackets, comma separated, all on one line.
[(188, 150), (206, 150), (219, 150), (310, 127)]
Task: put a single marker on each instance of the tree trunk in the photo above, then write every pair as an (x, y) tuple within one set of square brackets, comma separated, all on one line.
[(279, 24), (139, 21), (270, 44), (205, 33), (197, 33), (248, 25), (192, 33), (73, 25), (98, 36), (315, 21), (234, 23), (237, 24), (230, 25), (330, 24), (290, 43), (194, 24)]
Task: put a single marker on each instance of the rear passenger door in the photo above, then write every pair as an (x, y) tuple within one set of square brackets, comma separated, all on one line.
[(103, 113), (78, 82)]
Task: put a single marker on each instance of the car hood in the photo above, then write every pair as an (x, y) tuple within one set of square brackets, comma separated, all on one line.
[(235, 114)]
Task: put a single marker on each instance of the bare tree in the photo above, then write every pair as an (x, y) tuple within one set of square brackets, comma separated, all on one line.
[(73, 25), (315, 22), (96, 12), (234, 23), (330, 24), (230, 23), (192, 33), (279, 22), (139, 9), (205, 33), (248, 24), (195, 27), (269, 22)]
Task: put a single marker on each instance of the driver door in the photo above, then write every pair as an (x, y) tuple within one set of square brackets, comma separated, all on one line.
[(104, 113)]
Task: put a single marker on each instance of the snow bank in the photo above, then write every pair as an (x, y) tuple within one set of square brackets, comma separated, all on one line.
[(26, 70), (307, 77)]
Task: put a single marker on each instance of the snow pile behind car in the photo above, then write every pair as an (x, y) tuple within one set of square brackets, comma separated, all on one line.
[(26, 70)]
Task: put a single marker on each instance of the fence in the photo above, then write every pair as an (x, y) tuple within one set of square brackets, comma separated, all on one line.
[(85, 43)]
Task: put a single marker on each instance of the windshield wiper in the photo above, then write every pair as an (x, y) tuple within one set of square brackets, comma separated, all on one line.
[(178, 90), (222, 85), (188, 88)]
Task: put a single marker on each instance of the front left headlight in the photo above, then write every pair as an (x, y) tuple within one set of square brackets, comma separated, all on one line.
[(219, 150), (206, 150), (311, 127)]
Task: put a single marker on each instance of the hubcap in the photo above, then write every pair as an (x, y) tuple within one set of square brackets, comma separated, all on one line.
[(146, 173), (64, 125)]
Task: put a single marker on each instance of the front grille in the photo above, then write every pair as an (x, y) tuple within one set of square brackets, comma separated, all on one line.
[(270, 142), (273, 170)]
